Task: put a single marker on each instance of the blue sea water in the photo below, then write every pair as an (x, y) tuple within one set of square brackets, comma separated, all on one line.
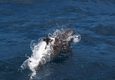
[(22, 21)]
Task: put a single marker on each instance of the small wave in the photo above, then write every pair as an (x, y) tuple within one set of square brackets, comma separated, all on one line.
[(48, 48)]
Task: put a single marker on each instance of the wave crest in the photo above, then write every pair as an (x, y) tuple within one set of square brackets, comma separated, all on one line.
[(43, 52)]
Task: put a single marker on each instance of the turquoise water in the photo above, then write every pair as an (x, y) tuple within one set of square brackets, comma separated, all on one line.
[(93, 58)]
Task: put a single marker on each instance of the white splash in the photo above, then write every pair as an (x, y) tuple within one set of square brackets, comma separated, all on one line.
[(41, 55), (42, 52)]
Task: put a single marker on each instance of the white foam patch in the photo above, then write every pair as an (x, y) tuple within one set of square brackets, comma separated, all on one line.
[(41, 52), (76, 38)]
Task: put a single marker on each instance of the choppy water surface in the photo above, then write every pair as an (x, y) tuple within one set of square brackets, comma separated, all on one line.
[(23, 21)]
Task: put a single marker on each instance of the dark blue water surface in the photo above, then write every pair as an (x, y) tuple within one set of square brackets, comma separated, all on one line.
[(22, 21)]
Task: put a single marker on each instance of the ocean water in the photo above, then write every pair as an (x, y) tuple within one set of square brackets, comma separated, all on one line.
[(22, 21)]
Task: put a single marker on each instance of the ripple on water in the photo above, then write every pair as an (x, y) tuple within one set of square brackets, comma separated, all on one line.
[(104, 30)]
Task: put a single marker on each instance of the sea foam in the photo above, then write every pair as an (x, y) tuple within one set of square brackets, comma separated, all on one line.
[(42, 52)]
